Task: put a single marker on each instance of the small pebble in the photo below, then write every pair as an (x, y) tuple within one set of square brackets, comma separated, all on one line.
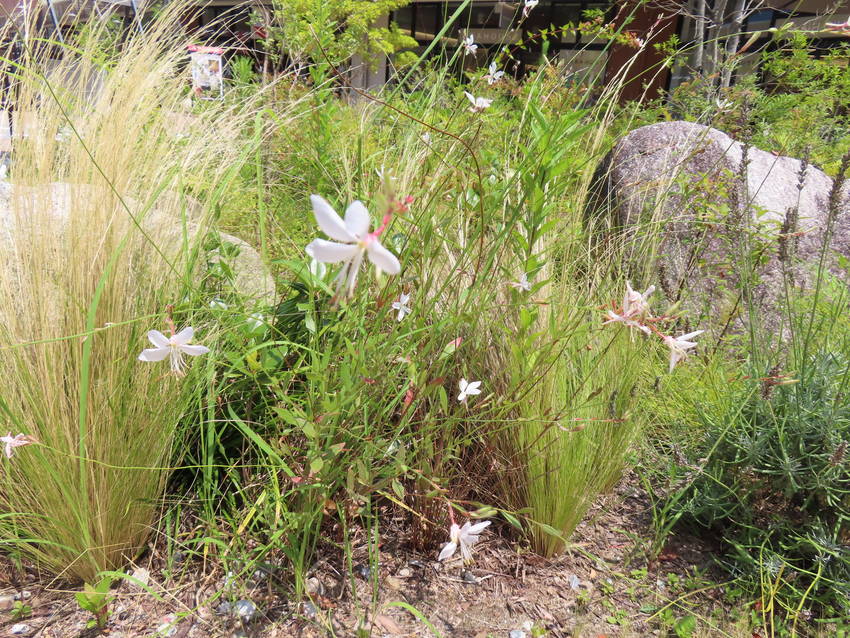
[(26, 594), (417, 563), (20, 629), (392, 583), (245, 609), (363, 571), (223, 609), (469, 577), (314, 586), (404, 572), (143, 576), (575, 582), (178, 557), (7, 601), (309, 609), (516, 633)]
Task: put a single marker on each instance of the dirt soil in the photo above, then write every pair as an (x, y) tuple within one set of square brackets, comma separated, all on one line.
[(603, 587)]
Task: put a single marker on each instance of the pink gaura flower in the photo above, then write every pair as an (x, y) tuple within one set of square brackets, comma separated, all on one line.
[(11, 442)]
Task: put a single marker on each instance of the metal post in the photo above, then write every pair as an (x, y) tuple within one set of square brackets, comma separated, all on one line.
[(55, 20), (135, 7)]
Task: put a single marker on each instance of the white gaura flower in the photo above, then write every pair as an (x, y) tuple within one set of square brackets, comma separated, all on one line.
[(723, 105), (636, 304), (635, 307), (11, 442), (680, 345), (494, 74), (469, 45), (353, 241), (523, 283), (468, 388), (464, 537), (173, 347), (426, 137), (528, 6), (401, 306), (384, 174), (478, 103)]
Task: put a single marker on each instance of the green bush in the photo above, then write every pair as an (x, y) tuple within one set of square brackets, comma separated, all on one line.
[(772, 481)]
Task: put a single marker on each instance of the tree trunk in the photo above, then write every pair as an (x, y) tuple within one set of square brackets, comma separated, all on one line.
[(699, 35), (732, 44), (715, 33)]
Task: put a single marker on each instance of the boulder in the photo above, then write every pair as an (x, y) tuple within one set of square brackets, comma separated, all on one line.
[(251, 278), (678, 188)]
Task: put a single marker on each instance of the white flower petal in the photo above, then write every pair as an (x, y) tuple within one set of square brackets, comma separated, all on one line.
[(690, 335), (357, 219), (194, 351), (383, 258), (184, 336), (478, 527), (332, 252), (470, 97), (158, 339), (154, 354), (329, 221), (448, 551)]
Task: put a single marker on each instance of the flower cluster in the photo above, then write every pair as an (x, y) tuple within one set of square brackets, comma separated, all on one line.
[(635, 313)]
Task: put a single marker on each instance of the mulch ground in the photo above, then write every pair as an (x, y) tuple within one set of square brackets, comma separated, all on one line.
[(603, 587)]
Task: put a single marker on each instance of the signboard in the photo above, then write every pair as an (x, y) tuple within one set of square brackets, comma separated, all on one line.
[(207, 72)]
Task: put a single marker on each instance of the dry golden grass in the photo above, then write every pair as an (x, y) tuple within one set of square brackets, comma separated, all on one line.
[(96, 242)]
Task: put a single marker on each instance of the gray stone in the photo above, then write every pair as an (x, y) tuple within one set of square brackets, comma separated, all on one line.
[(314, 587), (309, 610), (252, 279), (363, 571), (20, 629), (245, 610), (7, 601), (516, 633), (684, 180)]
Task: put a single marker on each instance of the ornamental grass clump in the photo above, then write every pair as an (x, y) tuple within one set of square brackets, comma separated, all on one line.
[(98, 242)]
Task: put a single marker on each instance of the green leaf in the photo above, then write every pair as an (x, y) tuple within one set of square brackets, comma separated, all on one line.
[(398, 488), (513, 520), (685, 627)]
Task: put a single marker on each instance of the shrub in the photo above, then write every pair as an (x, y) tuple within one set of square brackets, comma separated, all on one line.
[(771, 479)]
